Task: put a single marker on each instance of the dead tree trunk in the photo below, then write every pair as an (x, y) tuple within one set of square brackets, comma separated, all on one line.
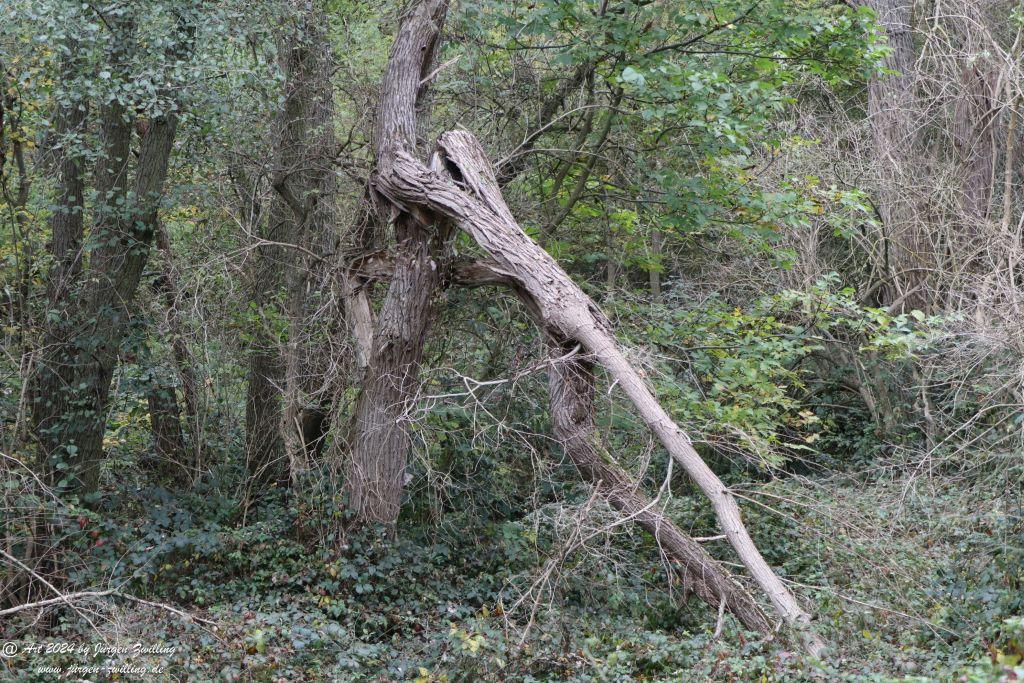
[(571, 388), (467, 194), (378, 444)]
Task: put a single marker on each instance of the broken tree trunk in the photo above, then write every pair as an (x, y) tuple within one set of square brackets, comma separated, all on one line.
[(471, 199), (571, 392), (467, 194), (571, 388)]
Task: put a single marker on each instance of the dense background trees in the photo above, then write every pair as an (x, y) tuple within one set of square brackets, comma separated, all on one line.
[(361, 331)]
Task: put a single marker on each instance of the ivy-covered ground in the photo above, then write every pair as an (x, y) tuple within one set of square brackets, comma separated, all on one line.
[(911, 581)]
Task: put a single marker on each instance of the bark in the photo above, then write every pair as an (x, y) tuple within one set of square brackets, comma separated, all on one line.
[(11, 114), (264, 450), (165, 425), (305, 181), (188, 369), (380, 443), (892, 104), (115, 270), (389, 362), (87, 359), (53, 365), (467, 194), (374, 476), (471, 199), (975, 143), (571, 388), (125, 215)]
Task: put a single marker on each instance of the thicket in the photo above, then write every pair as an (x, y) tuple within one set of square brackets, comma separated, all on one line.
[(259, 406)]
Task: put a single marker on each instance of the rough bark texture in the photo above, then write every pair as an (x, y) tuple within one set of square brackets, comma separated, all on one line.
[(571, 388), (124, 220), (380, 443), (305, 181), (165, 425), (264, 449), (115, 270), (975, 142), (471, 199), (467, 193)]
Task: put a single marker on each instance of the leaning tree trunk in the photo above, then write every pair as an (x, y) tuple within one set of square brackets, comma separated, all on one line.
[(466, 193), (571, 388), (379, 444)]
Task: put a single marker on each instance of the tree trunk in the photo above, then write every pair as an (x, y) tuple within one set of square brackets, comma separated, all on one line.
[(124, 223), (654, 274), (264, 450), (571, 388), (165, 425), (114, 274), (375, 471), (466, 193), (306, 183), (975, 143), (380, 443), (895, 129), (471, 199), (188, 369), (53, 365)]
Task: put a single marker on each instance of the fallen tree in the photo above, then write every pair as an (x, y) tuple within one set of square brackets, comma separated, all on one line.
[(571, 390), (459, 187)]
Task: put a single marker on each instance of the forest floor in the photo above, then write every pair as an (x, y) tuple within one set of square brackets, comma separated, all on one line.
[(913, 577)]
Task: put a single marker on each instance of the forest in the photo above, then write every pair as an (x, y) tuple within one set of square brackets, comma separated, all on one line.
[(526, 340)]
